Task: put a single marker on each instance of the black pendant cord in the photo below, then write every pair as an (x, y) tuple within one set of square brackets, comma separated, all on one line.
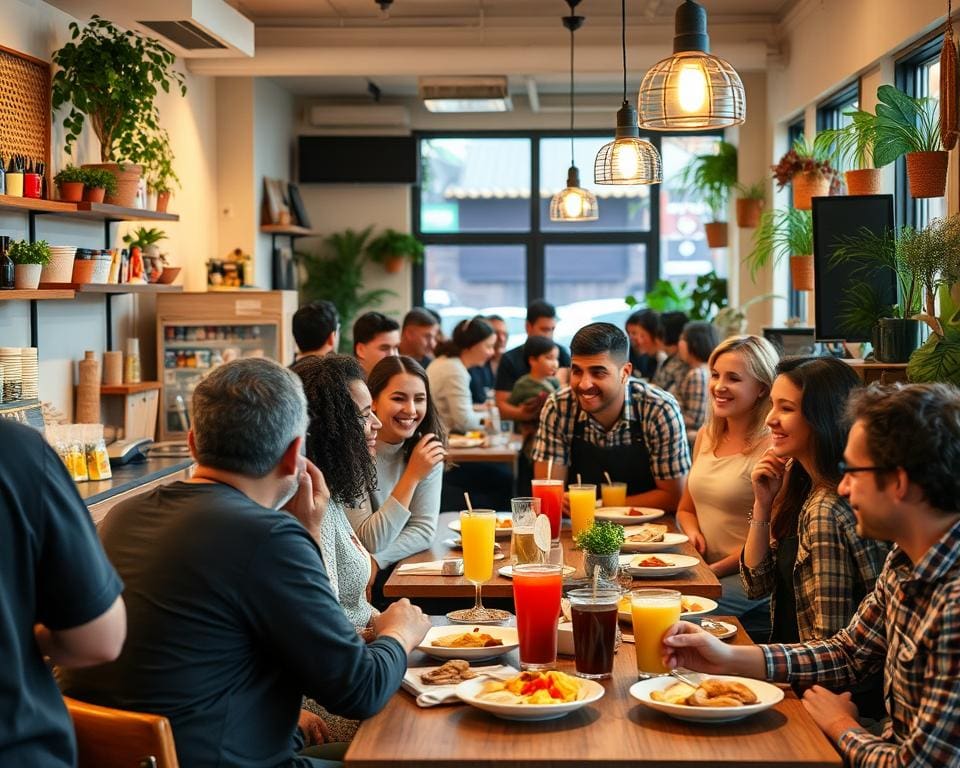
[(572, 163), (623, 44)]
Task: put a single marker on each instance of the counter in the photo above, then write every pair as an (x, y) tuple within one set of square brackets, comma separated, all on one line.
[(129, 480)]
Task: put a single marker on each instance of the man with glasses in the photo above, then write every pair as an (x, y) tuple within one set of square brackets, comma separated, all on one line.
[(902, 476)]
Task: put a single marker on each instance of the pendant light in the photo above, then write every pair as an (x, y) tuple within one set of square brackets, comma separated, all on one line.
[(573, 203), (627, 159), (691, 90)]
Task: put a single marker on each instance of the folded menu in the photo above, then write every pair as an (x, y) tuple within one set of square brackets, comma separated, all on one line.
[(432, 695)]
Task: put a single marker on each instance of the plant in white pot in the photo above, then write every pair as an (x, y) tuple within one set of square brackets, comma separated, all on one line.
[(29, 260)]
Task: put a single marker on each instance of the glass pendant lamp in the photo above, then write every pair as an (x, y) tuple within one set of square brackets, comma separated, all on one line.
[(573, 203), (691, 90), (627, 159)]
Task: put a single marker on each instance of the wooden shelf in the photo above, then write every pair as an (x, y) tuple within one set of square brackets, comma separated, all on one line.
[(129, 389), (39, 294), (34, 205), (286, 229), (117, 287), (119, 213)]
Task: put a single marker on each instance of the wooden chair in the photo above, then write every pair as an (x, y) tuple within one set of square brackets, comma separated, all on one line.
[(116, 738)]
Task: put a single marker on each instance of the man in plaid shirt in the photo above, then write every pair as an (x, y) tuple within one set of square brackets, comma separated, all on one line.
[(902, 476)]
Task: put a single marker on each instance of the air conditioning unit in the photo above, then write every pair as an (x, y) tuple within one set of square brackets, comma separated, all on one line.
[(486, 93), (358, 118)]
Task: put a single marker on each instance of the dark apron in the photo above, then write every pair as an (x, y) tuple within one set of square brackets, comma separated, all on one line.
[(630, 463), (784, 621)]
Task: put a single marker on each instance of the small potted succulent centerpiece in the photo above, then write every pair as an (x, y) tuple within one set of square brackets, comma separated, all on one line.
[(98, 183), (70, 183), (601, 544), (808, 171), (851, 148), (785, 232), (29, 260), (750, 204), (391, 247), (710, 178)]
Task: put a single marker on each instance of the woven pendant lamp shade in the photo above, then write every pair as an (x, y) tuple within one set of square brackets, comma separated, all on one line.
[(574, 203), (627, 159)]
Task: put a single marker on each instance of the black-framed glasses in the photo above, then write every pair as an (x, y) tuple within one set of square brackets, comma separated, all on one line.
[(848, 469)]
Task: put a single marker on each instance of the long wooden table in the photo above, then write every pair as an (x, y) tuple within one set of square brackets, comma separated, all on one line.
[(615, 732), (505, 454), (697, 581)]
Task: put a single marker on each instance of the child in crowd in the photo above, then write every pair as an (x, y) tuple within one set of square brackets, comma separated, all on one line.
[(543, 356)]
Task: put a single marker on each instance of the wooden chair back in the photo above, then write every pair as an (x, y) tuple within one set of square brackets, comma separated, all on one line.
[(116, 738)]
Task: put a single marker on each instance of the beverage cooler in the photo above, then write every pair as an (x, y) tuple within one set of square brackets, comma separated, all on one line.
[(196, 332)]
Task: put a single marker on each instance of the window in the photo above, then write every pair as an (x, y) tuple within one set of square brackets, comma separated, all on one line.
[(830, 113), (491, 249), (797, 302)]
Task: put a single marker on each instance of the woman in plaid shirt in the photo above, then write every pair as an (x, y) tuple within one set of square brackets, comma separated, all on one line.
[(696, 344)]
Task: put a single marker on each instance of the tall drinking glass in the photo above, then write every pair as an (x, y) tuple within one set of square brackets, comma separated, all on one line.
[(614, 494), (477, 531), (523, 546), (550, 493), (583, 505), (654, 612), (536, 597), (594, 614)]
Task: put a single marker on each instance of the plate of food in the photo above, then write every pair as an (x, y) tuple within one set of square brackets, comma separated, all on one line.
[(720, 629), (504, 525), (650, 537), (436, 685), (657, 564), (531, 695), (473, 439), (507, 571), (628, 515), (451, 642), (690, 605), (716, 699)]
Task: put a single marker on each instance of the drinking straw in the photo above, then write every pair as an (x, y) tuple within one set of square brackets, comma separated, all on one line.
[(549, 469), (607, 475), (579, 481), (466, 497), (596, 580)]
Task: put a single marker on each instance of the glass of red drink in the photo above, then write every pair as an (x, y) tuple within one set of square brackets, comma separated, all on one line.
[(550, 493), (594, 616), (536, 598)]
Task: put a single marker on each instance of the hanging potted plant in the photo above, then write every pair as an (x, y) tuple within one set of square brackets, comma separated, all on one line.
[(785, 232), (29, 260), (808, 172), (98, 184), (750, 204), (160, 175), (851, 148), (391, 247), (601, 544), (710, 178), (911, 127), (69, 182), (92, 66)]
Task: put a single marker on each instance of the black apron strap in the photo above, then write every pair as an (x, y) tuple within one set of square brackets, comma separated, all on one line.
[(624, 463)]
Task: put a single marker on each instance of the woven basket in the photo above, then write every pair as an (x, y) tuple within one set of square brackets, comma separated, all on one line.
[(865, 181), (801, 271), (60, 267), (927, 173), (748, 212), (716, 234), (808, 185)]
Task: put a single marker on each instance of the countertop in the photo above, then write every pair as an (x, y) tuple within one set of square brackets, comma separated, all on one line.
[(129, 477)]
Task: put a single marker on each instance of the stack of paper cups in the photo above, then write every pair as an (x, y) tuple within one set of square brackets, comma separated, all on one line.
[(31, 376), (12, 363), (113, 368)]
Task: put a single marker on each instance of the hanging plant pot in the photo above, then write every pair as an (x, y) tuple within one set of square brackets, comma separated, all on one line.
[(927, 173), (894, 340), (865, 181), (71, 191), (806, 186), (128, 179), (716, 234), (801, 271), (393, 264), (163, 200), (748, 212), (94, 194)]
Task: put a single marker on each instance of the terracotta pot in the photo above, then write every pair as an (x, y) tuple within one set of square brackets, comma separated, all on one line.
[(748, 212), (393, 264), (808, 185), (128, 179), (865, 181), (26, 277), (71, 191), (716, 234), (801, 271), (163, 199), (927, 173), (94, 194)]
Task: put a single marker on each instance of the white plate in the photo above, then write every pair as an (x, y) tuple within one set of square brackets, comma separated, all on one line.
[(768, 695), (429, 695), (622, 514), (499, 533), (678, 564), (706, 606), (729, 629), (507, 634), (507, 571), (462, 441), (670, 541), (590, 691)]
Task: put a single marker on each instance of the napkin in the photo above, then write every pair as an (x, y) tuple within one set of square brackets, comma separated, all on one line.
[(431, 568), (432, 695)]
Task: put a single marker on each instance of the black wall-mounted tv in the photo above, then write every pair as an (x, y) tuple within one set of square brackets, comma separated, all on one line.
[(836, 217), (358, 160)]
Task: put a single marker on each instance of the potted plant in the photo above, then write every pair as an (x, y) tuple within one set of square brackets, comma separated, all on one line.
[(391, 247), (750, 204), (664, 296), (125, 119), (732, 321), (785, 232), (70, 183), (708, 297), (601, 544), (809, 173), (911, 127), (146, 240), (29, 259), (710, 178), (850, 148), (160, 175), (99, 183)]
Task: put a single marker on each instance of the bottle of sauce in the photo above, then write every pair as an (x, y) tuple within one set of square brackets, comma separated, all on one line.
[(6, 265)]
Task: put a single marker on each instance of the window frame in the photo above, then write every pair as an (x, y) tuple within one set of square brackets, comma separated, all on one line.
[(797, 304), (830, 110)]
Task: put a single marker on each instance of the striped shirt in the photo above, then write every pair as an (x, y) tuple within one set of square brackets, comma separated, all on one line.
[(910, 626), (659, 418), (670, 373), (692, 396)]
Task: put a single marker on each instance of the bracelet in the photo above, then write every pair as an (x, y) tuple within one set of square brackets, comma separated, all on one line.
[(760, 523)]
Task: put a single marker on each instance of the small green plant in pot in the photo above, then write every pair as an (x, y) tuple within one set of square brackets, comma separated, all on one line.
[(850, 149), (161, 178), (750, 204), (784, 232), (70, 183), (30, 259), (391, 247), (710, 178), (601, 544), (99, 183)]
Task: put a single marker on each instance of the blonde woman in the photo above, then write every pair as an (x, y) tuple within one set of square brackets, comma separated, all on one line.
[(718, 498)]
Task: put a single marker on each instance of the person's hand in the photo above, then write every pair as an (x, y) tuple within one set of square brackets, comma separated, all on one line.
[(426, 454), (404, 622), (530, 408), (687, 645), (314, 730), (309, 503), (834, 713), (767, 479), (699, 543)]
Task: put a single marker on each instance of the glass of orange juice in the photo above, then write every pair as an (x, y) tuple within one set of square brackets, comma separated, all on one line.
[(654, 612), (477, 532), (583, 505), (614, 494)]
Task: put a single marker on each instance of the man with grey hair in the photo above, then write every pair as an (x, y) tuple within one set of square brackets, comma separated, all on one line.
[(231, 615)]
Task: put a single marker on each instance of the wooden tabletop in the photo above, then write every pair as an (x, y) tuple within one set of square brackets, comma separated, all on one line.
[(615, 732), (699, 581), (506, 454)]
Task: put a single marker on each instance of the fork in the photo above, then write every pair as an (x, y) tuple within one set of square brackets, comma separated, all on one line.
[(683, 678)]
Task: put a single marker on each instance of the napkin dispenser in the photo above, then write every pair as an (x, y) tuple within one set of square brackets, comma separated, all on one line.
[(452, 567)]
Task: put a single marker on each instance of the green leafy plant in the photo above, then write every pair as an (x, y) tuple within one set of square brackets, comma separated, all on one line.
[(22, 252), (849, 147), (142, 237), (710, 178), (904, 124), (804, 158), (69, 175), (782, 232), (755, 191), (98, 178), (113, 77), (391, 243), (336, 274), (601, 538), (708, 296), (664, 296), (157, 160)]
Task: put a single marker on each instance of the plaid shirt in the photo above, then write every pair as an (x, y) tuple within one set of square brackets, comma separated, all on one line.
[(658, 414), (831, 559), (910, 624), (669, 374), (692, 396)]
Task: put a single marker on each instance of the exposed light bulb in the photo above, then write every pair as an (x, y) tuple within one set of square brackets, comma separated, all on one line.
[(626, 160), (572, 203), (692, 87)]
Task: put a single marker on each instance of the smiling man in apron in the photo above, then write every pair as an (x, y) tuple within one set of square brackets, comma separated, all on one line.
[(606, 421)]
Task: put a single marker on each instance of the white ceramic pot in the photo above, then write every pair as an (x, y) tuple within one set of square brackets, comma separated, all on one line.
[(26, 277)]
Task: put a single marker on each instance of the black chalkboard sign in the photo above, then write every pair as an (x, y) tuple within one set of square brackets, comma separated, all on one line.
[(834, 218)]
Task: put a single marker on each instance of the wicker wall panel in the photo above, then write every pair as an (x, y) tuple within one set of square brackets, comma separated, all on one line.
[(24, 106)]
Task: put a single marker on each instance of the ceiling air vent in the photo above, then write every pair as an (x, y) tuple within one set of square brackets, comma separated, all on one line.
[(184, 33), (465, 94)]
